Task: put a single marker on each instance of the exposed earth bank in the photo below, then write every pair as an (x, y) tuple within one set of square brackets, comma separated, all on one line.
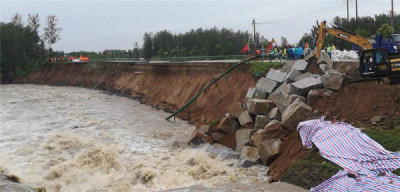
[(168, 86)]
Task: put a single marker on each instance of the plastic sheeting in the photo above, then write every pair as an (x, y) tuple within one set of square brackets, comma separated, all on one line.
[(353, 150)]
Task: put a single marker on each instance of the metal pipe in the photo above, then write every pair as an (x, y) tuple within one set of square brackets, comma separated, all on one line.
[(208, 85)]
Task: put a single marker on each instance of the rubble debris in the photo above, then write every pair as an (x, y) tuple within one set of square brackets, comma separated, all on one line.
[(245, 118), (260, 106), (295, 113), (235, 109), (269, 150), (266, 85), (276, 75)]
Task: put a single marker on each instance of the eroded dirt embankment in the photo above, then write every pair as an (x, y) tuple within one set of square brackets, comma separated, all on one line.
[(168, 86)]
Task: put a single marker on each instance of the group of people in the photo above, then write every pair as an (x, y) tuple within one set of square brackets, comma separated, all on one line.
[(299, 52)]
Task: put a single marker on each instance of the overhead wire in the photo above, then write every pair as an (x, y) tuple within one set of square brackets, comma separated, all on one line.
[(311, 15)]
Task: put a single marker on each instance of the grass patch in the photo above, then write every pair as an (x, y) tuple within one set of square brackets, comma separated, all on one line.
[(389, 139), (263, 68), (310, 170), (215, 122)]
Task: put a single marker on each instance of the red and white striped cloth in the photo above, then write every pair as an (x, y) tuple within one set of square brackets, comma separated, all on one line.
[(353, 150)]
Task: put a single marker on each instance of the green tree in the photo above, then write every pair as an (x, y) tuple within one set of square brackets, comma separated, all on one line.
[(52, 32), (385, 31), (363, 33), (147, 46)]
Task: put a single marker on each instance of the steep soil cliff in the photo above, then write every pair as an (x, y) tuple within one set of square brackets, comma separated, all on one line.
[(165, 85)]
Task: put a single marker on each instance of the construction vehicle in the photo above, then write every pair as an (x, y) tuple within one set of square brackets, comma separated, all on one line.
[(374, 62), (392, 44)]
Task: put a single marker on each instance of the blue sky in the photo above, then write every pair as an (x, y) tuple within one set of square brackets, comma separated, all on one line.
[(99, 25)]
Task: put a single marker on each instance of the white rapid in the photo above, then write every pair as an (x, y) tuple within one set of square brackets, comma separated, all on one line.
[(76, 139)]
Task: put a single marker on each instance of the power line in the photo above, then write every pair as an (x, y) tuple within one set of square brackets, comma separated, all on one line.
[(310, 15), (304, 14)]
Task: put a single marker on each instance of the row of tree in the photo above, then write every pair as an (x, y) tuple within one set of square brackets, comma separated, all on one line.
[(199, 42), (22, 47)]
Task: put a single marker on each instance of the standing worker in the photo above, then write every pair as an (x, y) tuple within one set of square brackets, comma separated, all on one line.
[(329, 51)]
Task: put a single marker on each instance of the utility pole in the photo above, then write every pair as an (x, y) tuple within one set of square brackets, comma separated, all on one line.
[(254, 33), (348, 18), (392, 16), (357, 13)]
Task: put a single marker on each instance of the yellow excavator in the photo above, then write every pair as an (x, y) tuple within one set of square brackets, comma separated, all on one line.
[(374, 63)]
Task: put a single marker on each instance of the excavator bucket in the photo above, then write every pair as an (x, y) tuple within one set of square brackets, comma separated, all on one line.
[(310, 56)]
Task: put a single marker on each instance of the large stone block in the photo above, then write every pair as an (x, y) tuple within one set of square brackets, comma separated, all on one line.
[(274, 114), (250, 153), (274, 130), (295, 113), (217, 136), (266, 85), (235, 109), (324, 58), (204, 128), (301, 65), (229, 140), (334, 80), (245, 118), (287, 67), (294, 97), (279, 88), (255, 93), (243, 137), (276, 75), (269, 150), (217, 149), (315, 95), (303, 86), (260, 106), (291, 76), (279, 100), (242, 162), (261, 121), (198, 138), (227, 125)]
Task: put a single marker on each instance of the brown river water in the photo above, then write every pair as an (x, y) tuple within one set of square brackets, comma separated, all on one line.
[(76, 139)]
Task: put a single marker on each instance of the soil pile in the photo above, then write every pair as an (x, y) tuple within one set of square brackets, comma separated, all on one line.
[(359, 102)]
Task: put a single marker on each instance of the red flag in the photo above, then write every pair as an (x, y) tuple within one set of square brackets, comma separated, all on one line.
[(270, 47), (258, 52), (245, 49)]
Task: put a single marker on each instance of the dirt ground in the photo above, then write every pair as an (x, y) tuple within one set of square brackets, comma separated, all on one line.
[(359, 102)]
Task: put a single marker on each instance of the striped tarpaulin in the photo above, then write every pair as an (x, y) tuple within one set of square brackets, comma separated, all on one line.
[(353, 150)]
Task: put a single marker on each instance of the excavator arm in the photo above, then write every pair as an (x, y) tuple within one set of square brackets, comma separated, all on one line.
[(342, 34)]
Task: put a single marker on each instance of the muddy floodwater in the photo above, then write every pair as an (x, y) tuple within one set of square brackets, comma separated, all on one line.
[(76, 139)]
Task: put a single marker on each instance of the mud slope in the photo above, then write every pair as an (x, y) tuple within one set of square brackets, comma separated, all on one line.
[(168, 86)]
